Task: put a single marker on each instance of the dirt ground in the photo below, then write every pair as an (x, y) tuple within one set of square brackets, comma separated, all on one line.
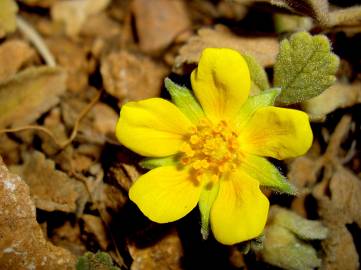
[(67, 67)]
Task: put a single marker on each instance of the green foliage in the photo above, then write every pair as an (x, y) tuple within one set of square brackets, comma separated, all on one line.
[(305, 67), (184, 99), (258, 75), (255, 244), (97, 261)]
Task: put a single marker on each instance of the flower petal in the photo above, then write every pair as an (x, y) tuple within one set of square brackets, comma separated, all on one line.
[(240, 211), (221, 82), (277, 132), (152, 127), (265, 173), (165, 194)]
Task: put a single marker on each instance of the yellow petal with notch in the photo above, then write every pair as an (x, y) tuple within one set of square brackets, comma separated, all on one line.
[(277, 132), (240, 211), (165, 194), (221, 82), (152, 127)]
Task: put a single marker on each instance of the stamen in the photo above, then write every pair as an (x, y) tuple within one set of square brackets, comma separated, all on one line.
[(211, 150)]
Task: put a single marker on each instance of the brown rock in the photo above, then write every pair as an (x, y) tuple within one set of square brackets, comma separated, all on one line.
[(22, 244), (129, 77), (108, 199), (345, 190), (165, 254), (39, 3), (8, 10), (339, 248), (338, 200), (263, 49), (68, 236), (100, 26), (91, 128), (94, 226), (75, 13), (24, 97), (339, 95), (303, 171), (51, 189), (158, 22), (13, 54), (9, 150), (105, 119), (72, 57)]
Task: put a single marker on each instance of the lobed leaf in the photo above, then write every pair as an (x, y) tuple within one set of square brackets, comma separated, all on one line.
[(304, 68)]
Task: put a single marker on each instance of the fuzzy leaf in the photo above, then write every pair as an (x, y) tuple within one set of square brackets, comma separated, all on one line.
[(99, 260), (285, 240), (185, 100), (283, 249), (303, 228), (304, 68)]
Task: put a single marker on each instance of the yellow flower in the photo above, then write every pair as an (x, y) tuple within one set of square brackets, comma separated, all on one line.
[(212, 148)]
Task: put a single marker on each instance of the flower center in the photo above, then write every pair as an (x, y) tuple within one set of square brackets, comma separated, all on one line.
[(211, 150)]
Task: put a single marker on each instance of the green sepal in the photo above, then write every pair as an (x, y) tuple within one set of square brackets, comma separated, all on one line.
[(206, 200), (266, 98), (267, 174), (151, 163), (259, 80), (255, 244), (304, 68), (185, 100)]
